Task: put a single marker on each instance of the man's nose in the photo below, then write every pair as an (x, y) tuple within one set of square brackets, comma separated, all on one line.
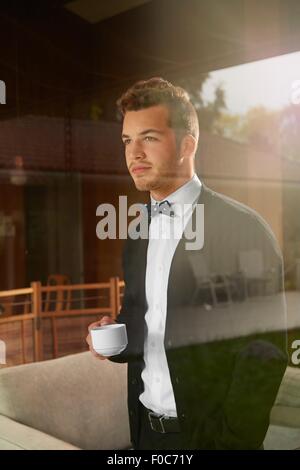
[(137, 151)]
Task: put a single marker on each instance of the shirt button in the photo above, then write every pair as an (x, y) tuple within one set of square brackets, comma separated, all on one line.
[(169, 343), (182, 415), (152, 344), (157, 380), (160, 268), (133, 381), (177, 380)]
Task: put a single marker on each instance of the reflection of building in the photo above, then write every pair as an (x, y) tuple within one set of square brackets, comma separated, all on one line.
[(55, 211), (78, 69), (247, 174)]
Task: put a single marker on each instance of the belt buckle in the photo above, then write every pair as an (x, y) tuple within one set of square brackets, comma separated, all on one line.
[(153, 422)]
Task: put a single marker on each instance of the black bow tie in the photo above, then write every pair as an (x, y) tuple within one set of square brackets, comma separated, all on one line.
[(163, 207)]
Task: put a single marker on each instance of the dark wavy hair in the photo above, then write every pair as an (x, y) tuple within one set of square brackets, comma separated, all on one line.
[(157, 91)]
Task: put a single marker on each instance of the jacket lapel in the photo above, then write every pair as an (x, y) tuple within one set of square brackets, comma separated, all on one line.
[(182, 282)]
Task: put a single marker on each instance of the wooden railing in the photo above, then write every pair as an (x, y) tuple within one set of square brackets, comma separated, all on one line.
[(38, 300), (8, 318), (119, 285)]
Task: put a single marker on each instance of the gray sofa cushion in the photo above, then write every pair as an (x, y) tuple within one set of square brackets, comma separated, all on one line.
[(77, 399), (16, 436), (83, 401)]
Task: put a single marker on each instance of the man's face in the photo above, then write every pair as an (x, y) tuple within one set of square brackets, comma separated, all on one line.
[(150, 148)]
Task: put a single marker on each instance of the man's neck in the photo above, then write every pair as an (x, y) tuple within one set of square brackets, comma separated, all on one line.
[(162, 193)]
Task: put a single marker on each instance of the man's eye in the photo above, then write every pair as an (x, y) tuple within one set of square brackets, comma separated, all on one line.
[(126, 141), (150, 138)]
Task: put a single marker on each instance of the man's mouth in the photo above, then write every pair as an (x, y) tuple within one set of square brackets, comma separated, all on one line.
[(140, 169)]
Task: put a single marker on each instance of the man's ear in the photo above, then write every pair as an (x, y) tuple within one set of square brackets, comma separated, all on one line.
[(188, 146)]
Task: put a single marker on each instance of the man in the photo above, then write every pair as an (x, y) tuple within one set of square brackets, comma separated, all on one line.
[(206, 350)]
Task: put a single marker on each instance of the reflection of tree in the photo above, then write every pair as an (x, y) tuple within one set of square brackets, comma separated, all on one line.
[(208, 113), (267, 129), (230, 126), (260, 127), (290, 132), (273, 131)]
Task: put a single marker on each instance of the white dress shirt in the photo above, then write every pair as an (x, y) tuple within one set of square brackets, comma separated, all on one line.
[(164, 235)]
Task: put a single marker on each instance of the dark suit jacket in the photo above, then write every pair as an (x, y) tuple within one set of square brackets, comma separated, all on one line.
[(226, 362)]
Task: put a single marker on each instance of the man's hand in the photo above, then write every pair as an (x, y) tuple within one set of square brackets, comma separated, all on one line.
[(106, 320)]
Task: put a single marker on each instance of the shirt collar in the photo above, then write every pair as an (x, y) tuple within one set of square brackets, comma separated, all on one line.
[(186, 195)]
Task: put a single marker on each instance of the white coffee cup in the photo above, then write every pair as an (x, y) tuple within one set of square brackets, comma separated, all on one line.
[(109, 340)]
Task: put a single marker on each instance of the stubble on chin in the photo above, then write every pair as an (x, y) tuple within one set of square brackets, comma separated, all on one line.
[(142, 185)]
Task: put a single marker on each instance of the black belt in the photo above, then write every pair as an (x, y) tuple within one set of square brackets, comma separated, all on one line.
[(162, 423)]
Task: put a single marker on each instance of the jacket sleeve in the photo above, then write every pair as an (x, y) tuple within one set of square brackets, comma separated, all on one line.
[(244, 418), (131, 315), (257, 374)]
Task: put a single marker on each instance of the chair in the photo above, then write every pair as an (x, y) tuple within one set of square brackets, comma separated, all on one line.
[(212, 283), (61, 299), (6, 306), (252, 269)]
